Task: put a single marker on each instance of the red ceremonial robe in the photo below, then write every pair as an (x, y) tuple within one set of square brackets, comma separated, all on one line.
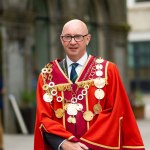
[(113, 128)]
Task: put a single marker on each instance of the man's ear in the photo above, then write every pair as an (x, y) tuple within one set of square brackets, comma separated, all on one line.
[(88, 39), (61, 40)]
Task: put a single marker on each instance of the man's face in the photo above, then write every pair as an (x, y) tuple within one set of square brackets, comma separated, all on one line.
[(75, 48)]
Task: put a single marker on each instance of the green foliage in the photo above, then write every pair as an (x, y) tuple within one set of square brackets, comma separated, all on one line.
[(28, 98), (138, 96)]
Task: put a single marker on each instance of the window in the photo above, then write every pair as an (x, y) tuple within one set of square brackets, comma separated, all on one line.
[(139, 54), (142, 0), (139, 65)]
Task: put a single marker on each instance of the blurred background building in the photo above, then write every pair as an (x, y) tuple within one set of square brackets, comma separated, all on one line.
[(139, 52), (29, 39)]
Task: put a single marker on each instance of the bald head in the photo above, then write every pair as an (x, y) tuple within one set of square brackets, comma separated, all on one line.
[(75, 26), (75, 38)]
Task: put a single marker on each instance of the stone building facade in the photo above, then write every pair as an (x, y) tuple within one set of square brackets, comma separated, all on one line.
[(139, 44), (29, 38), (139, 56)]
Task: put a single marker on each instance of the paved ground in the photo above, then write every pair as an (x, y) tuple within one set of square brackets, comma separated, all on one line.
[(144, 126), (18, 142), (25, 142)]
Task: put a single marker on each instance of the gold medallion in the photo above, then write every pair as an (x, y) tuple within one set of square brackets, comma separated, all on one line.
[(88, 115), (73, 120), (69, 119), (99, 94), (99, 82), (97, 108), (59, 113)]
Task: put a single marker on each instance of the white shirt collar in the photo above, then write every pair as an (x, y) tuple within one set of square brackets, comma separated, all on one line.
[(81, 61)]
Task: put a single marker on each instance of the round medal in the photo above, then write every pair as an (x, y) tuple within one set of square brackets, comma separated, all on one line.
[(59, 113), (69, 119), (47, 97), (71, 109), (99, 60), (97, 108), (88, 115), (99, 94), (73, 120), (99, 82), (99, 73), (99, 66)]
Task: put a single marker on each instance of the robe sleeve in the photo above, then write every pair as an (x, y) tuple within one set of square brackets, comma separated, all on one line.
[(130, 137), (115, 127), (45, 122)]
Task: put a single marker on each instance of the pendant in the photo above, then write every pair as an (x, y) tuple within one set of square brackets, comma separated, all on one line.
[(88, 115), (59, 113), (99, 82), (71, 119), (99, 60), (71, 109), (47, 97), (99, 66), (97, 108), (99, 73), (99, 94)]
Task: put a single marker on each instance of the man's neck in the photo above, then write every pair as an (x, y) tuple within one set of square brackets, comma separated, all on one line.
[(73, 59)]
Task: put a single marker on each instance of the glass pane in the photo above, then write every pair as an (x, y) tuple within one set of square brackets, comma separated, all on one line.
[(139, 64), (130, 55), (142, 0)]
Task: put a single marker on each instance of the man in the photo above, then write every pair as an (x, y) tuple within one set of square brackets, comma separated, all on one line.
[(81, 101)]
